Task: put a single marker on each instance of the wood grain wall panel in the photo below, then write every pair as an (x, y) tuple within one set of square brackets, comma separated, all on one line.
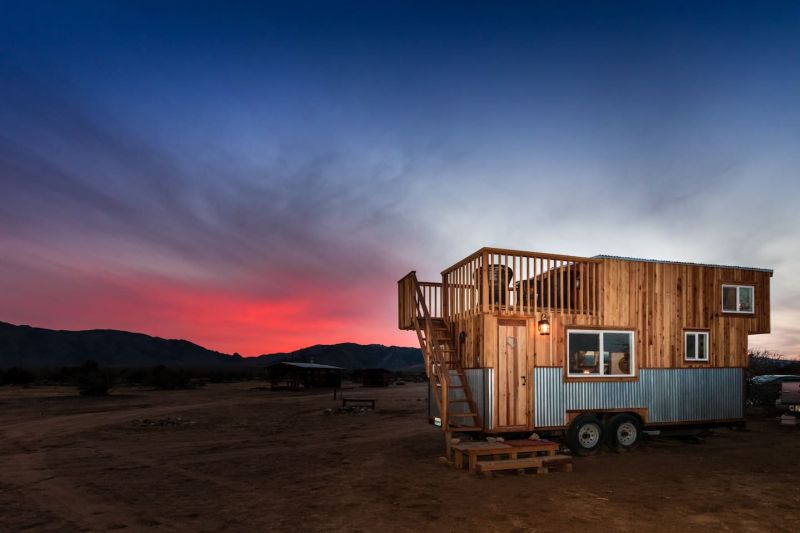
[(662, 300), (659, 301)]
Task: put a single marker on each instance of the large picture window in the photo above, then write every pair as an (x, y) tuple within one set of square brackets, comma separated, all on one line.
[(737, 298), (593, 353)]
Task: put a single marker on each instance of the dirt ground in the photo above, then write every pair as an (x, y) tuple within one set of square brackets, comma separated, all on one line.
[(238, 457)]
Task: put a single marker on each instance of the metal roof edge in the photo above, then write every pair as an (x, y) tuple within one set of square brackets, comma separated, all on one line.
[(687, 263)]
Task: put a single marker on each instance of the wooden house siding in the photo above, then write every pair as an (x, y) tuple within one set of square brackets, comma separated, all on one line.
[(659, 302)]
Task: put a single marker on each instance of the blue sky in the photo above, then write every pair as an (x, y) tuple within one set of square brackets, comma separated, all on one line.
[(163, 160)]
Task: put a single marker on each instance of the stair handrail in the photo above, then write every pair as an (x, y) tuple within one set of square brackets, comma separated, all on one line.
[(439, 367), (436, 349)]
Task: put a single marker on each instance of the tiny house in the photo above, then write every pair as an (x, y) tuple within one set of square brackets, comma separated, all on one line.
[(598, 348)]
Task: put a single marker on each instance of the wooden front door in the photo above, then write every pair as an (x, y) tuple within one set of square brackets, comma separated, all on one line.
[(512, 384)]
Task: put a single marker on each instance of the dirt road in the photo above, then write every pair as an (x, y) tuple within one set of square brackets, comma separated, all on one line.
[(236, 457)]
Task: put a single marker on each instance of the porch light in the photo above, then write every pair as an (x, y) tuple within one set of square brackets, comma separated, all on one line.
[(544, 326)]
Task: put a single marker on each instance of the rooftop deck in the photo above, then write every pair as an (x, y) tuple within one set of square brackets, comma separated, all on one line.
[(507, 282)]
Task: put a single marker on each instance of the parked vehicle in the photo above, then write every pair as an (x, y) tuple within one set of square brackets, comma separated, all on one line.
[(765, 391), (790, 396)]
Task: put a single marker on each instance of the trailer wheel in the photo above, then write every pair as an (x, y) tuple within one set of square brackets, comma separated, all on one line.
[(585, 435), (624, 432)]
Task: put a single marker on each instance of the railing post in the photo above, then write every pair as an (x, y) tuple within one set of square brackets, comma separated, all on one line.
[(445, 299), (485, 282)]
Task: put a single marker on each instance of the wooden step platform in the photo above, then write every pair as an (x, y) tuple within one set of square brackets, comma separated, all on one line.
[(542, 464), (509, 464), (509, 455)]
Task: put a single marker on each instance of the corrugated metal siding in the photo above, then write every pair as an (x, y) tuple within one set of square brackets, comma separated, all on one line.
[(488, 423), (669, 395), (479, 381), (433, 407)]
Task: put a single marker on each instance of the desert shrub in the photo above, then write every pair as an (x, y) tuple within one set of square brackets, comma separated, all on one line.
[(65, 375), (170, 378), (227, 375), (18, 376), (138, 376), (92, 381)]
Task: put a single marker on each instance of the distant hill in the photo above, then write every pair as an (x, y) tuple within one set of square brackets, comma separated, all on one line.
[(31, 347), (350, 355)]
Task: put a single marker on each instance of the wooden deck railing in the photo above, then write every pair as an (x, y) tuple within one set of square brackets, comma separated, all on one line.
[(514, 282), (407, 300)]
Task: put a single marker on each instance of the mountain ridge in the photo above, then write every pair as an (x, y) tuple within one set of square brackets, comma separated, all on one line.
[(35, 347)]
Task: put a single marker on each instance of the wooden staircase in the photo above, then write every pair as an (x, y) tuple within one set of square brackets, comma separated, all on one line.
[(453, 394)]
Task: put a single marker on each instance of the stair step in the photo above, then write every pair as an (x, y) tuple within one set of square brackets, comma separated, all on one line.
[(464, 428), (463, 415), (508, 464), (460, 400)]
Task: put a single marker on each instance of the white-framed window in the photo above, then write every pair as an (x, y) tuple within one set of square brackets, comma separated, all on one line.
[(738, 299), (599, 353), (695, 345)]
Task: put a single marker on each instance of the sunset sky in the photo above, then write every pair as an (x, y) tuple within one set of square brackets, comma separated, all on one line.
[(256, 177)]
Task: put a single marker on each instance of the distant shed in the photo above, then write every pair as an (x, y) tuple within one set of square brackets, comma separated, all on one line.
[(375, 377), (305, 375)]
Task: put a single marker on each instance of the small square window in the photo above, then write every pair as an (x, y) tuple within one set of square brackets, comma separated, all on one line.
[(696, 346), (738, 299)]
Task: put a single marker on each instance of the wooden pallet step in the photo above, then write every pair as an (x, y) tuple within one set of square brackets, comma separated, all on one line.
[(562, 463), (508, 464)]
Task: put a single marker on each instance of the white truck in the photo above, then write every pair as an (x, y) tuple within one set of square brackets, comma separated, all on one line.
[(790, 401)]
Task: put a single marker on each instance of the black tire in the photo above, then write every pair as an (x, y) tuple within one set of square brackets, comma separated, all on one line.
[(585, 435), (623, 433)]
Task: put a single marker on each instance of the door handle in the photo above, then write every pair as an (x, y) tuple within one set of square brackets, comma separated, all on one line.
[(524, 380)]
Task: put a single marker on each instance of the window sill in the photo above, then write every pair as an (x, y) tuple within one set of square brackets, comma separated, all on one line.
[(593, 378)]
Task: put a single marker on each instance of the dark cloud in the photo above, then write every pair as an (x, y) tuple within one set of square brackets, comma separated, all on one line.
[(303, 216)]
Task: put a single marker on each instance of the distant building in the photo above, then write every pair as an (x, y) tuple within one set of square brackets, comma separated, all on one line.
[(305, 375), (375, 377)]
